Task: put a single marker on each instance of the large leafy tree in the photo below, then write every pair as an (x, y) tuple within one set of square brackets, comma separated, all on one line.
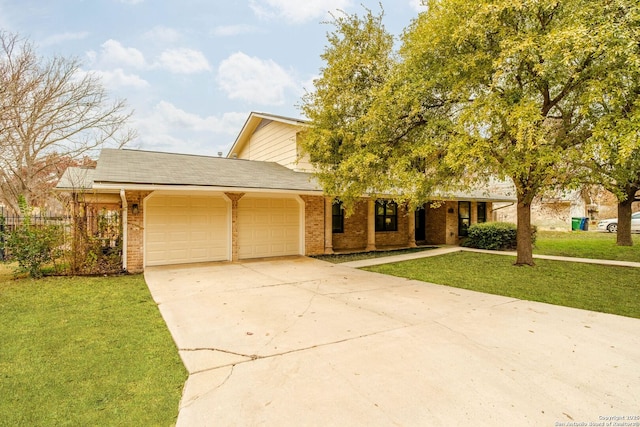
[(518, 73), (49, 109), (359, 59), (483, 88), (356, 148), (613, 152)]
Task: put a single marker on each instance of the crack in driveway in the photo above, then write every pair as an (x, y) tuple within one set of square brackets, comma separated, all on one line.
[(254, 357), (197, 397)]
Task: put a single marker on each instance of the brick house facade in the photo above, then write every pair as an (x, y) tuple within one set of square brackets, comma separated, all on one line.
[(260, 201)]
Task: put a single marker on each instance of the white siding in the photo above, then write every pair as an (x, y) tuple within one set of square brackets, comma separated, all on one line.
[(273, 142), (304, 164)]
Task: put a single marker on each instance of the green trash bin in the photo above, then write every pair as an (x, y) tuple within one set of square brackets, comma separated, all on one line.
[(575, 224)]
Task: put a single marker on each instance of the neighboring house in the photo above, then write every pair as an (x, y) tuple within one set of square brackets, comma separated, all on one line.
[(555, 212), (260, 201)]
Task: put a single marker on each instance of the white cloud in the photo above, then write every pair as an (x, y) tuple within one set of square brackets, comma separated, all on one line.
[(177, 118), (168, 128), (184, 61), (295, 10), (131, 1), (309, 84), (233, 30), (418, 5), (254, 80), (63, 37), (114, 54), (114, 79), (162, 34), (118, 78)]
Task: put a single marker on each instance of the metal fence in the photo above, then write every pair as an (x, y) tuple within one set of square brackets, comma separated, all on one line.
[(103, 229), (9, 223)]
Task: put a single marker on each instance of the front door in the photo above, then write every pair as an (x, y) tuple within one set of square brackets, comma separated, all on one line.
[(464, 218)]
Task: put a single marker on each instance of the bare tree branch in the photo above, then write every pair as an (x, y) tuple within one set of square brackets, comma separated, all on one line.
[(50, 106)]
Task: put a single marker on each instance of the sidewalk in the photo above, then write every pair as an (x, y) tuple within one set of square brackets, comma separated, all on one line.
[(451, 249)]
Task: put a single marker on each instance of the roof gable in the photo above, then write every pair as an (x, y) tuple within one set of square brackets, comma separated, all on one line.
[(256, 121)]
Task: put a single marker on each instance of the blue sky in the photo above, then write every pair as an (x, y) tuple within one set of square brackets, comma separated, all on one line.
[(193, 70)]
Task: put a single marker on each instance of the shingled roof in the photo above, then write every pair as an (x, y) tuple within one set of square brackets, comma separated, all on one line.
[(76, 178), (137, 167), (118, 169)]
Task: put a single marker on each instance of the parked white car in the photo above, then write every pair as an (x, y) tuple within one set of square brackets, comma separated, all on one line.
[(611, 225)]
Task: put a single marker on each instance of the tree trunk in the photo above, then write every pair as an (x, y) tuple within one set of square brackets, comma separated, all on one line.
[(624, 221), (524, 244)]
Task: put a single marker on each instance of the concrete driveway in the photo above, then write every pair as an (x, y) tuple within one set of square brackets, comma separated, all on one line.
[(302, 342)]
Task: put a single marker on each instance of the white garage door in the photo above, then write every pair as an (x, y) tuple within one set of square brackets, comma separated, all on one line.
[(268, 227), (184, 229)]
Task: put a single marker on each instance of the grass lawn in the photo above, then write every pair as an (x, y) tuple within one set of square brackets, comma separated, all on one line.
[(85, 351), (606, 289), (586, 245)]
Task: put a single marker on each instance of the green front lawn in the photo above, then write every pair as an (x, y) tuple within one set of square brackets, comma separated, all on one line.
[(85, 351), (586, 245), (606, 289)]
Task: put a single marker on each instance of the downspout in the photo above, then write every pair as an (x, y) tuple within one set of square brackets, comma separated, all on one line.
[(124, 229)]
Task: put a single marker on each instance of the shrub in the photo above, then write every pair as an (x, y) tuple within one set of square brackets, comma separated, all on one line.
[(494, 236), (34, 246)]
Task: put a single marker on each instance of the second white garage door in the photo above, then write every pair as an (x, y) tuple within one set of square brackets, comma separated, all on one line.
[(268, 227), (186, 229)]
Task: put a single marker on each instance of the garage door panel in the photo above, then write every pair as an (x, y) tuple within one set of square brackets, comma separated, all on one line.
[(184, 229), (268, 227)]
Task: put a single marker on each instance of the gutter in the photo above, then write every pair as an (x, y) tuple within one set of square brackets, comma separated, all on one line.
[(124, 229), (502, 207), (200, 188)]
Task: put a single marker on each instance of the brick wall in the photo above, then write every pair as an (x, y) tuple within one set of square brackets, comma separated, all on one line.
[(441, 227), (314, 224), (395, 238), (354, 236), (355, 230), (135, 231), (435, 224)]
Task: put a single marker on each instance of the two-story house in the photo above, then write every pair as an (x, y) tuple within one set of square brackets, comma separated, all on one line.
[(259, 201)]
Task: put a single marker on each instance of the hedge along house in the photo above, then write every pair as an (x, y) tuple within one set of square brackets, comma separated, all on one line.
[(260, 201)]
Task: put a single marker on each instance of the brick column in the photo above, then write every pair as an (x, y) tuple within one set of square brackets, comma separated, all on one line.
[(371, 225), (452, 223), (411, 216), (474, 212), (135, 231), (328, 225), (234, 197), (314, 224)]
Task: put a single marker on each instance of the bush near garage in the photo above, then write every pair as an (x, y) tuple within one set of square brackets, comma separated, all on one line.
[(33, 247), (494, 236)]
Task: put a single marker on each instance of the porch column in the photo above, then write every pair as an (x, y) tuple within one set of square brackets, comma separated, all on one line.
[(371, 225), (234, 197), (412, 227), (328, 225)]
